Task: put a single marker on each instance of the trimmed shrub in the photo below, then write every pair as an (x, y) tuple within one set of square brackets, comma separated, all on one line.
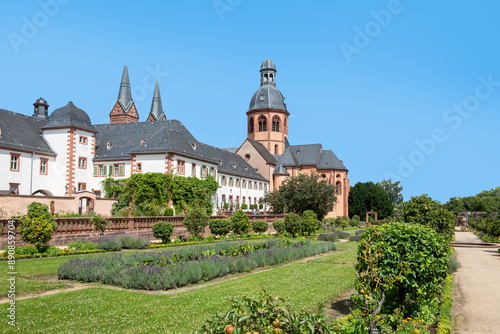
[(309, 222), (355, 238), (131, 242), (259, 226), (244, 206), (395, 258), (328, 237), (168, 212), (196, 220), (163, 231), (240, 222), (354, 221), (220, 226), (279, 226), (293, 223), (37, 225), (109, 243), (82, 245)]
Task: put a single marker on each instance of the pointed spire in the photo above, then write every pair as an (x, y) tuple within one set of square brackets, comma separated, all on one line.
[(156, 107), (125, 94)]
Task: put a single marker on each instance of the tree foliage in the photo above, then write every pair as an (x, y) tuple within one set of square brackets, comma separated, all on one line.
[(151, 192), (488, 200), (303, 192), (279, 226), (37, 225), (424, 210), (259, 226), (393, 190), (400, 266), (369, 196)]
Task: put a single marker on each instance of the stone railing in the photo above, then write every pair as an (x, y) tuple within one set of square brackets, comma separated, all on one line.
[(74, 228)]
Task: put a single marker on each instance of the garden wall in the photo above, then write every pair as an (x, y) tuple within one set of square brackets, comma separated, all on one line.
[(72, 229), (16, 205)]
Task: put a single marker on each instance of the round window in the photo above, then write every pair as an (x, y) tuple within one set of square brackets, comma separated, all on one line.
[(247, 157)]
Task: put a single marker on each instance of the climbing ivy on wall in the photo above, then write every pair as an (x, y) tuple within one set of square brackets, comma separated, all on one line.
[(149, 193)]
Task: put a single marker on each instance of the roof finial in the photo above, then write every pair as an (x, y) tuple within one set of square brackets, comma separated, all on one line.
[(156, 106), (125, 94)]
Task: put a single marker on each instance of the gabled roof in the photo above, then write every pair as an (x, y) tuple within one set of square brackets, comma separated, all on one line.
[(328, 160), (21, 132), (263, 151), (168, 136), (230, 163)]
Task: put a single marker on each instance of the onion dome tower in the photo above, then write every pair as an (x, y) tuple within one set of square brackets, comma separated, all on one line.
[(267, 115)]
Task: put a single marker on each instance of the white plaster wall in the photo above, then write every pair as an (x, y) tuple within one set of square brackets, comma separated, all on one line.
[(152, 163), (58, 141), (84, 175), (240, 191)]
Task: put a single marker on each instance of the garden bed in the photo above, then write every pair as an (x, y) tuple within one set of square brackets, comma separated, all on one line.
[(188, 264)]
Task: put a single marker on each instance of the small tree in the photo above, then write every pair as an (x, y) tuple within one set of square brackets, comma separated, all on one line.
[(342, 222), (309, 222), (220, 226), (293, 223), (259, 226), (100, 222), (37, 225), (163, 231), (240, 222), (424, 210), (196, 220), (168, 212), (279, 226)]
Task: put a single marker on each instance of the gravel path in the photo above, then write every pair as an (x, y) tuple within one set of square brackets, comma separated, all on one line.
[(476, 294)]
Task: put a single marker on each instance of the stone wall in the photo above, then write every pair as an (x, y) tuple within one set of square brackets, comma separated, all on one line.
[(80, 228)]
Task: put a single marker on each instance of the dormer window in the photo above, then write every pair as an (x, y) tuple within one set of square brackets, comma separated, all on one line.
[(142, 141), (262, 97), (193, 145), (108, 145), (233, 164)]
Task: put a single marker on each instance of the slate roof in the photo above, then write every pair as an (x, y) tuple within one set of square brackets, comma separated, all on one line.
[(308, 155), (287, 159), (230, 163), (328, 160), (69, 116), (168, 136), (263, 151), (21, 132), (280, 170)]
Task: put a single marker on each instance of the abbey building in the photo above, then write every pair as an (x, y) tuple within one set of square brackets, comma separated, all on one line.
[(62, 153)]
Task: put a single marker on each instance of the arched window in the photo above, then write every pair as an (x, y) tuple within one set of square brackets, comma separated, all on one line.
[(276, 124), (250, 125), (262, 123), (271, 77), (265, 77), (338, 191), (275, 149)]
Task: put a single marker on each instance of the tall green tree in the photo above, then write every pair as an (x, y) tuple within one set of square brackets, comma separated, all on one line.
[(303, 192), (393, 190), (369, 196), (488, 200)]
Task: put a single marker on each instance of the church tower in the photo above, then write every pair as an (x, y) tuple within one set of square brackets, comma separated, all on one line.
[(267, 117), (156, 113), (124, 110)]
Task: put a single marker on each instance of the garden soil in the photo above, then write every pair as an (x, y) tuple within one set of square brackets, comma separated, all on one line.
[(476, 294)]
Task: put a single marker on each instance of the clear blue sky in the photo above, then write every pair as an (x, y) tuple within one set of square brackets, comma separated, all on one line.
[(402, 89)]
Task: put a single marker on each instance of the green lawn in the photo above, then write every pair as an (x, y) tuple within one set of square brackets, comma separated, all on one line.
[(100, 310)]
